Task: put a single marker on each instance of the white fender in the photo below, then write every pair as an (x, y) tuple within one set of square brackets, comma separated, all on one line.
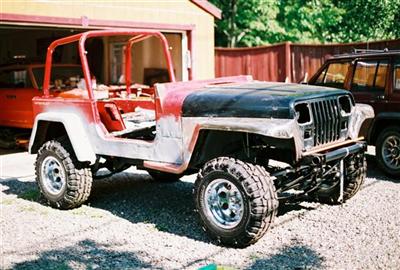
[(75, 131)]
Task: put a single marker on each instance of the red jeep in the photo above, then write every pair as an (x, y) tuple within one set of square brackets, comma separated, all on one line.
[(226, 129)]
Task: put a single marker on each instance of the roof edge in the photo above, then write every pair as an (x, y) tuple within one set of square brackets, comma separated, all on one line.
[(208, 7)]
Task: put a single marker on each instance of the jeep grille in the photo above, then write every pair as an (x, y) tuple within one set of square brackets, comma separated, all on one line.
[(328, 122), (326, 116)]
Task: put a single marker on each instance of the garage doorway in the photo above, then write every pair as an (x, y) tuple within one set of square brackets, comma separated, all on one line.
[(28, 44)]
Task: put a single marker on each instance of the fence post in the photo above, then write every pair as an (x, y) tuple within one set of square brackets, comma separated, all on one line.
[(288, 62)]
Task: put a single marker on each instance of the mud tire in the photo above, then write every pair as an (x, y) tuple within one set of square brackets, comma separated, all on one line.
[(260, 200), (78, 177)]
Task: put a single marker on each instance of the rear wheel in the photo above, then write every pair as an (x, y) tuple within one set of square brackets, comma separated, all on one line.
[(388, 150), (63, 181), (237, 201), (355, 170)]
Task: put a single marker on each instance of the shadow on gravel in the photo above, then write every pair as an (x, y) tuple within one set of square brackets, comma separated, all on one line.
[(375, 172), (138, 199), (296, 257), (287, 207), (85, 255), (24, 190)]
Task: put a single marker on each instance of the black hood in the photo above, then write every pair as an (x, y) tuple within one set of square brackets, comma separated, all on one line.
[(255, 100)]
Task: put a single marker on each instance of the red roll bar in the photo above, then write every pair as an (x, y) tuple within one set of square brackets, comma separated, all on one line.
[(140, 35)]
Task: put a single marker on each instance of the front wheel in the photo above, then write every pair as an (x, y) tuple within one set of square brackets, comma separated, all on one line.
[(237, 201), (63, 181), (388, 150)]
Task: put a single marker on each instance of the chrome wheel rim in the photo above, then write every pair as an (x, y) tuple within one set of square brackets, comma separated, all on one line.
[(391, 152), (53, 175), (224, 203)]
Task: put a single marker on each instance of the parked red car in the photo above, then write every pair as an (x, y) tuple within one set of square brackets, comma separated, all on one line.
[(19, 83)]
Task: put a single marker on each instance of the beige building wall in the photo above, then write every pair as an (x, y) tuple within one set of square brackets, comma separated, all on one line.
[(144, 11)]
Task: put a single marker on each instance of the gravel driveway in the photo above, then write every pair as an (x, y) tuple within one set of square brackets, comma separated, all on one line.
[(132, 222)]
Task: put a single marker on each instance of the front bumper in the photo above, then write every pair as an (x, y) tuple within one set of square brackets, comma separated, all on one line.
[(336, 154), (345, 151)]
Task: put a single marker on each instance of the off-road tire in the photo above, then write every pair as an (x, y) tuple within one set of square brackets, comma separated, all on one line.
[(259, 200), (78, 176), (355, 167), (393, 132), (164, 176)]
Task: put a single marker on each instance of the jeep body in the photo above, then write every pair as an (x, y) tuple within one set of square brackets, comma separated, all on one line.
[(373, 77), (229, 130)]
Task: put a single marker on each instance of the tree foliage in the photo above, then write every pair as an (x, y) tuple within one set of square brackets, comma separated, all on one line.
[(257, 22), (246, 22), (366, 20)]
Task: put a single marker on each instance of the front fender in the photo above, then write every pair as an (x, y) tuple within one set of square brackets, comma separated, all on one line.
[(269, 127), (362, 114), (76, 133)]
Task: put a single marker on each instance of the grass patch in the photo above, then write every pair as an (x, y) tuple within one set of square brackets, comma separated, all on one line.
[(96, 215), (30, 195), (8, 201), (27, 208), (254, 256), (81, 211), (86, 211), (33, 208)]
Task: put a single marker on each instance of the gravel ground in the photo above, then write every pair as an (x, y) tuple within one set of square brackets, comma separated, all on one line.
[(132, 222)]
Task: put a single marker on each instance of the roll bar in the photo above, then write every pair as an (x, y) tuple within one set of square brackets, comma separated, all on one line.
[(139, 35)]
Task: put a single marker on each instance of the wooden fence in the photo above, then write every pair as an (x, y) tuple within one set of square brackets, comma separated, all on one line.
[(285, 61)]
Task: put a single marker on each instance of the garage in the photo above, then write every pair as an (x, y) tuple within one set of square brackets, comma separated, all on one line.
[(26, 33)]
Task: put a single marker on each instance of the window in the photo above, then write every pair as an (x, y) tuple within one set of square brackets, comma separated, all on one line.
[(370, 75), (396, 75), (65, 74), (117, 63), (14, 79), (334, 75)]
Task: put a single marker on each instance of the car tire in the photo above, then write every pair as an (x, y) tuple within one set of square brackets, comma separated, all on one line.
[(63, 181), (388, 151), (237, 201), (355, 167)]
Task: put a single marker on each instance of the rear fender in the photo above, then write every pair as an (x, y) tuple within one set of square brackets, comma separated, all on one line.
[(74, 128)]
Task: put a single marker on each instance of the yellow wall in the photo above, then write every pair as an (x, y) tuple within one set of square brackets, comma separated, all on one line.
[(162, 11)]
